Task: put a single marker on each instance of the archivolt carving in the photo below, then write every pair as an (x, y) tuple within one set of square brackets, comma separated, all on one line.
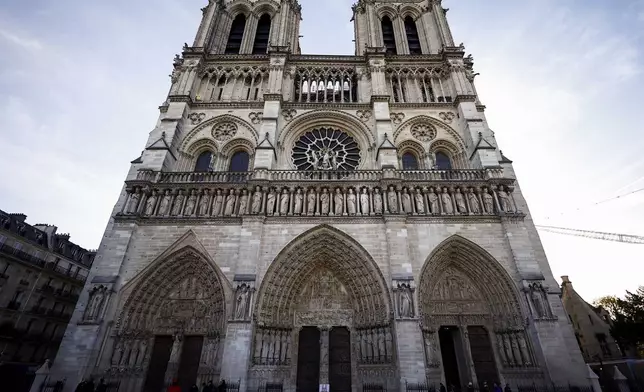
[(461, 279), (439, 125), (241, 124), (200, 145), (181, 293), (237, 144), (408, 145), (348, 280)]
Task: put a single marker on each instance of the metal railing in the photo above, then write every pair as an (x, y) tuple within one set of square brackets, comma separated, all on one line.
[(318, 175)]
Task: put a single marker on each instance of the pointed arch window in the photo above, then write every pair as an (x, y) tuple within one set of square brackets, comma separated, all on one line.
[(412, 36), (443, 162), (260, 46), (239, 162), (409, 161), (236, 34), (388, 38), (203, 162)]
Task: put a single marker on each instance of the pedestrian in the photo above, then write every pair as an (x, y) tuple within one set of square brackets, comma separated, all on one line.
[(222, 386), (174, 387), (79, 388), (194, 388), (486, 388), (442, 388), (101, 387), (210, 387), (507, 388), (470, 387), (89, 385), (497, 388)]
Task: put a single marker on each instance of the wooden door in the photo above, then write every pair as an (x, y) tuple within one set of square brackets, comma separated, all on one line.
[(308, 360), (158, 364)]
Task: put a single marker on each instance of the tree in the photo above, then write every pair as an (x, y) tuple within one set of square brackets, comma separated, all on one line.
[(627, 316)]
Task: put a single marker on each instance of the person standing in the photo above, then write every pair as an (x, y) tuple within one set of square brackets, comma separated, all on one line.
[(174, 387)]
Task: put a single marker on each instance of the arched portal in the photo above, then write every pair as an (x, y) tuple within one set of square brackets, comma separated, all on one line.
[(471, 316), (171, 324), (323, 315)]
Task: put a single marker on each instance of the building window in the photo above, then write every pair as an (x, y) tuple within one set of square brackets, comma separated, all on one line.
[(203, 162), (260, 46), (601, 338), (388, 38), (443, 162), (412, 36), (236, 34), (239, 162), (409, 161), (591, 320)]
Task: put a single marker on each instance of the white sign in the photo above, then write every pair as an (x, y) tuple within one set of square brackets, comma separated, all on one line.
[(324, 388)]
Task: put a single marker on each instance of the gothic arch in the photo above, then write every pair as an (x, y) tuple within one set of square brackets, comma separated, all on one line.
[(327, 118), (412, 147), (240, 7), (410, 10), (265, 7), (331, 249), (179, 292), (195, 133), (386, 10), (439, 125), (461, 279)]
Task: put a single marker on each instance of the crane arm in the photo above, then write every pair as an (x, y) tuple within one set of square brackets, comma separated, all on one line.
[(626, 238)]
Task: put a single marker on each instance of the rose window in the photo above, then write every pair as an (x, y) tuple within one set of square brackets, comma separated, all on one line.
[(326, 149), (224, 131)]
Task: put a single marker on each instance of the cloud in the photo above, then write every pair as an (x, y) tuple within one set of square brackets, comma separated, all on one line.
[(29, 44)]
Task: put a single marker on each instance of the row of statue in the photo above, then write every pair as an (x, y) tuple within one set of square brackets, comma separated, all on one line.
[(375, 345), (513, 349), (365, 201), (272, 346)]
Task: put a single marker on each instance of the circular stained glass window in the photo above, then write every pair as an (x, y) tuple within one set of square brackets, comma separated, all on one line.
[(326, 149)]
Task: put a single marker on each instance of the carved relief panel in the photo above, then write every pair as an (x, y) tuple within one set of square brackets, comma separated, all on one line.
[(99, 296)]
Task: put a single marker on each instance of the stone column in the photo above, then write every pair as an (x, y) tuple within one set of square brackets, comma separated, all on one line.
[(324, 355), (467, 351)]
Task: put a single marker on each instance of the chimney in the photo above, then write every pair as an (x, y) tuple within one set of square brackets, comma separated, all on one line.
[(19, 217), (565, 280)]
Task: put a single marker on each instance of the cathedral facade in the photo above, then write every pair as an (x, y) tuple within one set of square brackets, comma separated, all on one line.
[(298, 221)]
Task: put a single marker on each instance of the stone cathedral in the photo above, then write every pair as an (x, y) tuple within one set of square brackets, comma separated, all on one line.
[(298, 221)]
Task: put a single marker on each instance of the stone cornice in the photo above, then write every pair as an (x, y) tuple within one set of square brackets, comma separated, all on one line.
[(465, 98), (223, 105), (372, 219), (327, 105), (421, 105)]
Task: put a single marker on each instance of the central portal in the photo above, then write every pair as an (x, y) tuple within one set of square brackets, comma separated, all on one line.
[(314, 355)]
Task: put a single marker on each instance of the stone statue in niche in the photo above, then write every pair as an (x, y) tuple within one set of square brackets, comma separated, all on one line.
[(475, 208), (406, 202), (284, 202), (231, 200), (351, 202), (270, 202), (191, 203), (256, 205), (364, 202), (310, 202), (420, 201), (151, 203), (446, 200), (377, 202), (164, 208), (178, 203), (338, 202), (176, 349), (97, 298), (243, 202), (392, 200), (204, 203), (219, 202), (324, 202), (488, 201), (539, 298), (460, 201), (504, 199), (133, 203), (405, 300), (242, 302), (433, 201), (299, 201)]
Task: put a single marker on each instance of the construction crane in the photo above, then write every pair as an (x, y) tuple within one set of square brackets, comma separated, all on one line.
[(625, 238)]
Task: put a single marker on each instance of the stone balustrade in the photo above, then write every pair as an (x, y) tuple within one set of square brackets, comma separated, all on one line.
[(283, 193)]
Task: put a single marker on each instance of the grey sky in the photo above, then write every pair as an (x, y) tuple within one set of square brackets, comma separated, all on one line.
[(81, 81)]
